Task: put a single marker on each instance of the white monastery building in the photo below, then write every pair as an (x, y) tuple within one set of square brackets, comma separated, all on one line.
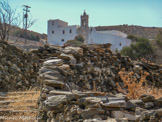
[(59, 32)]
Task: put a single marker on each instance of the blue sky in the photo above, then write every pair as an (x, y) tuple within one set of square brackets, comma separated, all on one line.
[(102, 12)]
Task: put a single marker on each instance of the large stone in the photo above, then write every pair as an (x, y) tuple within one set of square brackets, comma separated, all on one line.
[(91, 100), (149, 105), (159, 102), (139, 110), (117, 114), (147, 98), (73, 50), (145, 115), (91, 112), (111, 99), (130, 105), (69, 58), (65, 56), (139, 103), (55, 103), (96, 105), (159, 112), (65, 67), (52, 77), (54, 83), (115, 104), (122, 114), (53, 62)]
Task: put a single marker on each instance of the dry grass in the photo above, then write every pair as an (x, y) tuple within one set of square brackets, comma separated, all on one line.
[(133, 88), (23, 99), (24, 116)]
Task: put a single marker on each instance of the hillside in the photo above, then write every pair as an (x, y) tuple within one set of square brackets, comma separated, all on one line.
[(16, 31), (145, 32)]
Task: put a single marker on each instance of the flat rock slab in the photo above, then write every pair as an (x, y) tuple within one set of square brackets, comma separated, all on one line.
[(55, 102), (54, 83), (115, 104), (56, 62), (60, 92)]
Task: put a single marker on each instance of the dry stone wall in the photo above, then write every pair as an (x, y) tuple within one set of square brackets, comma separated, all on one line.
[(18, 70), (78, 84)]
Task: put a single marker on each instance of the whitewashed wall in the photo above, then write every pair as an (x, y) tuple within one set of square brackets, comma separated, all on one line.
[(56, 36), (117, 42), (55, 32), (115, 33)]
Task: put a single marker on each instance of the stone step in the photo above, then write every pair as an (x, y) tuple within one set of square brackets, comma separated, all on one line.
[(18, 107), (10, 112), (13, 111), (13, 97), (6, 102), (19, 119), (22, 93)]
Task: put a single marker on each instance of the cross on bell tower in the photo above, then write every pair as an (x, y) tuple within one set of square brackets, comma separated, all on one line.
[(84, 20)]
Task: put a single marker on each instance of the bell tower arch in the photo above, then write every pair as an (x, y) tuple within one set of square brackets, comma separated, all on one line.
[(84, 20), (84, 28)]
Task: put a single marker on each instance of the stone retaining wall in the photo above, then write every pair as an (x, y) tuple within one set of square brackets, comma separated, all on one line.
[(78, 84)]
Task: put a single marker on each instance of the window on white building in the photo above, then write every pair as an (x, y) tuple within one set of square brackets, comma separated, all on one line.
[(63, 32), (62, 40), (53, 32), (70, 31)]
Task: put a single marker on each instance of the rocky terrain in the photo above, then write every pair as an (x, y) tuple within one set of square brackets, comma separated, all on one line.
[(79, 84), (145, 32)]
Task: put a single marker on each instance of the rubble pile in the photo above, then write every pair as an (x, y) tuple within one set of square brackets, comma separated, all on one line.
[(79, 84), (18, 70)]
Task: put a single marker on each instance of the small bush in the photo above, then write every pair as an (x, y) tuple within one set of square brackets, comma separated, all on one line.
[(73, 43), (79, 38), (140, 49), (134, 88)]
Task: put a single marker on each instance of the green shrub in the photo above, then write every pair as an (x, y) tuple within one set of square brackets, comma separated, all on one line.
[(79, 38), (141, 49), (73, 43), (133, 38)]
